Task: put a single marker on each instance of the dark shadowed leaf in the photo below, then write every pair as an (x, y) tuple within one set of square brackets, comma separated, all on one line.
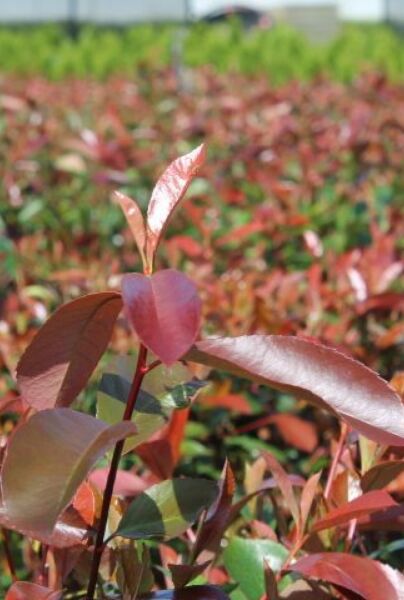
[(135, 221), (361, 506), (47, 459), (168, 192), (215, 523), (22, 590), (244, 560), (183, 574), (193, 592), (314, 372), (57, 364), (368, 578), (167, 509), (381, 474), (164, 310)]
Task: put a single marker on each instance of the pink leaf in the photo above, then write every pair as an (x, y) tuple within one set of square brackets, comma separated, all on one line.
[(314, 372), (135, 220), (164, 310), (57, 364), (22, 590), (169, 191), (368, 578), (284, 484), (47, 459)]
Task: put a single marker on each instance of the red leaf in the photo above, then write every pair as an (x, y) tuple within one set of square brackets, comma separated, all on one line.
[(164, 310), (317, 373), (57, 364), (183, 574), (370, 579), (22, 590), (296, 432), (214, 526), (69, 530), (135, 221), (307, 497), (85, 503), (126, 483), (380, 475), (284, 485), (362, 506), (162, 455), (169, 191), (47, 459)]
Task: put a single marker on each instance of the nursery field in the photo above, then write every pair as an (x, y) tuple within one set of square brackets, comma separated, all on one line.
[(292, 226)]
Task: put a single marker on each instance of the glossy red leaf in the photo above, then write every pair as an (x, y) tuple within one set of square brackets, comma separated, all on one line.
[(47, 459), (368, 578), (314, 372), (70, 530), (22, 590), (361, 506), (164, 310), (135, 221), (168, 192), (57, 364)]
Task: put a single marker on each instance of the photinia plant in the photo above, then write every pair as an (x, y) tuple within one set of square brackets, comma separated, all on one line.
[(81, 516)]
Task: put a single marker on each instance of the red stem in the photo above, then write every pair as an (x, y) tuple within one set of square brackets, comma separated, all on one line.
[(335, 460), (8, 554), (140, 372)]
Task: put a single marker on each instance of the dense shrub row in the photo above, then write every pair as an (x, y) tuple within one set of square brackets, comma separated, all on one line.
[(281, 52)]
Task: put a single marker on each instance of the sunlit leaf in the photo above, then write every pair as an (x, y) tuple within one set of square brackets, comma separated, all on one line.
[(22, 590), (168, 192), (164, 310), (368, 578), (47, 459), (244, 560), (57, 364), (314, 372), (167, 509)]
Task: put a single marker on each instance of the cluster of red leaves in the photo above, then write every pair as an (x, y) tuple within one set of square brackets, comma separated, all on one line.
[(273, 155)]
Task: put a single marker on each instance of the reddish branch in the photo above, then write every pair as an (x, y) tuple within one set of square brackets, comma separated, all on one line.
[(141, 370)]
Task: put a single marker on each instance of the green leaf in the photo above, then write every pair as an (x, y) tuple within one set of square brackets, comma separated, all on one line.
[(164, 390), (244, 560), (167, 509)]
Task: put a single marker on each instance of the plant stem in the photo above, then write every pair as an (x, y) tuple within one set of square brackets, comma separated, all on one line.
[(8, 554), (335, 460), (140, 372)]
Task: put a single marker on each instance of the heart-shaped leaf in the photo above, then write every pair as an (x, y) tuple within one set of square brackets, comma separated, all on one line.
[(167, 509), (22, 590), (244, 560), (168, 192), (57, 364), (368, 578), (164, 311), (314, 372), (47, 459)]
